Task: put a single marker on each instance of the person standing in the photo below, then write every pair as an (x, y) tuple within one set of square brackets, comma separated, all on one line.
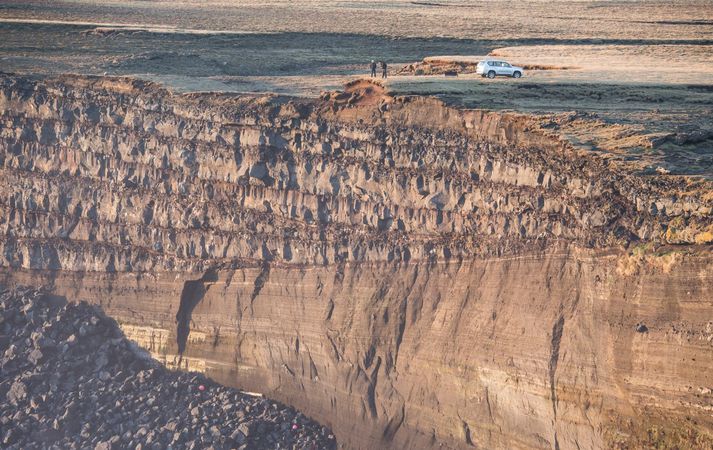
[(373, 68), (383, 69)]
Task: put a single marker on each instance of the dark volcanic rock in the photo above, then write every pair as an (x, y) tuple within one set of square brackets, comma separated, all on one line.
[(97, 391)]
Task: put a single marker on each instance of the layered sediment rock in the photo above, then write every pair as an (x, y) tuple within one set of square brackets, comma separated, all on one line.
[(72, 380), (410, 274)]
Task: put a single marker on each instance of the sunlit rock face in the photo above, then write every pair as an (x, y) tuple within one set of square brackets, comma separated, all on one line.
[(412, 275)]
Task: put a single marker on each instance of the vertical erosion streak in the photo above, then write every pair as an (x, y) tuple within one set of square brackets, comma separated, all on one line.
[(192, 294), (557, 329), (371, 391), (260, 282)]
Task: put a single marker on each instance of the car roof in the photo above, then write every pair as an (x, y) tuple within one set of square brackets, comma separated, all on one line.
[(497, 61)]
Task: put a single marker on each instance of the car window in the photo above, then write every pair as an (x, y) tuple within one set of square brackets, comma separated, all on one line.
[(506, 64)]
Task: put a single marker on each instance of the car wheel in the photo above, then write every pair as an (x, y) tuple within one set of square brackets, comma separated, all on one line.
[(516, 75), (491, 74)]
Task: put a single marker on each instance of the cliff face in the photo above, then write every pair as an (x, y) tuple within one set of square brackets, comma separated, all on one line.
[(410, 274)]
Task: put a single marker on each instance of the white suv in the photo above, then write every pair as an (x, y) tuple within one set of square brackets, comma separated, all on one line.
[(491, 69)]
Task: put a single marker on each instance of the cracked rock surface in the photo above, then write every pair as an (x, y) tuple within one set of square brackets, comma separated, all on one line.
[(411, 275)]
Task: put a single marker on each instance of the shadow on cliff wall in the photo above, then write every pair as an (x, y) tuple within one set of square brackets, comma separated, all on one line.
[(192, 294)]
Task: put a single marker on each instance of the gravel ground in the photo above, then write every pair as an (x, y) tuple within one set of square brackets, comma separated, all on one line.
[(70, 379)]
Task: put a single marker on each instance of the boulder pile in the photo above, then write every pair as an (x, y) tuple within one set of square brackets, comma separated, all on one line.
[(70, 379)]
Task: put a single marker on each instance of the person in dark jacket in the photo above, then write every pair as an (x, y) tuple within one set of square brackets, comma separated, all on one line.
[(383, 69), (373, 68)]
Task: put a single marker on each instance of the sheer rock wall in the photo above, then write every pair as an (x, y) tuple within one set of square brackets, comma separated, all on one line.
[(410, 274)]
